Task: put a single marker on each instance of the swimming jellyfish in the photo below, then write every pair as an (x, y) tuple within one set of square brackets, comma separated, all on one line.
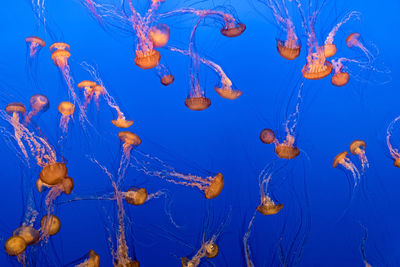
[(343, 160), (67, 110), (394, 152), (39, 103), (357, 147)]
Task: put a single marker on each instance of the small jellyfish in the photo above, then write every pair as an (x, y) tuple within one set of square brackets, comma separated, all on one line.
[(88, 91), (267, 136), (288, 50), (394, 152), (39, 103), (286, 150), (267, 205), (212, 250), (129, 139), (159, 35), (34, 44), (28, 233), (208, 249), (60, 58), (340, 78), (15, 245), (357, 147), (233, 29), (50, 224), (93, 260), (354, 40), (136, 196), (66, 109), (17, 110), (167, 79), (197, 103), (343, 160)]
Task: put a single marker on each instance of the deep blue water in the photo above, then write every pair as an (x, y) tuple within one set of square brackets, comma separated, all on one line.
[(324, 220)]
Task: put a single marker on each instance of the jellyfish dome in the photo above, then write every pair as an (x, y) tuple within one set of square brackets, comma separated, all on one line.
[(136, 196), (329, 50), (228, 93), (197, 103), (340, 79), (339, 159), (357, 147), (36, 40), (15, 245), (288, 52), (353, 40), (129, 138), (211, 250), (397, 163), (216, 186), (317, 70), (50, 224), (53, 173), (267, 136), (269, 209), (68, 185), (159, 35), (122, 123), (15, 107), (60, 57), (167, 79), (235, 31), (66, 108), (147, 60), (128, 264), (39, 102), (285, 151), (59, 46), (28, 233)]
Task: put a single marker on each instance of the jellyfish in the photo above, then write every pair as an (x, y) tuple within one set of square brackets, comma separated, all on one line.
[(267, 205), (267, 136), (100, 89), (17, 110), (343, 160), (39, 103), (60, 55), (290, 48), (136, 196), (34, 45), (15, 245), (159, 35), (28, 233), (88, 90), (357, 147), (354, 40), (394, 152), (66, 109), (329, 48), (93, 260), (340, 77), (166, 78), (50, 225)]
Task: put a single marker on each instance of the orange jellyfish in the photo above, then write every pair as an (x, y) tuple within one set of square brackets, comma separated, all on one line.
[(100, 89), (136, 196), (92, 260), (34, 45), (329, 48), (290, 48), (233, 29), (339, 77), (211, 185), (66, 109), (267, 136), (357, 147), (88, 91), (39, 103), (394, 152), (28, 233), (15, 245), (343, 160), (159, 35), (50, 225), (208, 249), (354, 40), (166, 78), (284, 150), (17, 110), (267, 205)]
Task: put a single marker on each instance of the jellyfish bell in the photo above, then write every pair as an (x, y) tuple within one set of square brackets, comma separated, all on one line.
[(28, 233), (339, 159), (396, 162), (329, 50), (15, 108), (68, 185), (39, 102), (98, 89), (127, 264), (122, 123), (340, 79), (60, 57), (288, 52), (211, 250), (94, 259), (167, 79), (147, 60), (35, 40), (136, 196), (357, 147), (59, 46), (269, 208), (159, 35), (267, 136), (197, 103), (285, 151), (129, 138), (85, 83), (66, 108), (15, 245), (216, 186), (233, 31), (50, 224), (353, 40), (316, 70), (53, 173), (185, 262), (228, 92)]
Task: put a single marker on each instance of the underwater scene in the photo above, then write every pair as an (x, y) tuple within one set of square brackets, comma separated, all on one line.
[(200, 133)]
